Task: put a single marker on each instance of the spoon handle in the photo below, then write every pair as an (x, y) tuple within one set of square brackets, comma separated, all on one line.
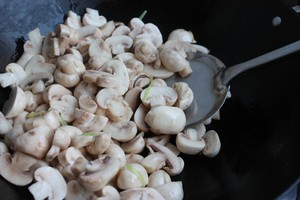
[(235, 70)]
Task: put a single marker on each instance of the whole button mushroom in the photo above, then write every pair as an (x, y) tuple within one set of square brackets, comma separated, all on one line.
[(166, 119)]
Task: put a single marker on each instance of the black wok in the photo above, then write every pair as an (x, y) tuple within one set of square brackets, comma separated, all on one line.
[(259, 126)]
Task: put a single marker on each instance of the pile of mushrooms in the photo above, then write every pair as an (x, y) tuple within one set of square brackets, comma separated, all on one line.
[(91, 117)]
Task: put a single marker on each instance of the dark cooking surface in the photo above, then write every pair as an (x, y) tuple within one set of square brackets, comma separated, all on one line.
[(259, 127)]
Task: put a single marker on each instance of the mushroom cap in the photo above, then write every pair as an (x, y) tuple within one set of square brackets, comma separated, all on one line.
[(182, 35), (121, 131), (171, 190), (65, 106), (158, 177), (141, 193), (189, 146), (185, 95), (213, 144), (166, 119)]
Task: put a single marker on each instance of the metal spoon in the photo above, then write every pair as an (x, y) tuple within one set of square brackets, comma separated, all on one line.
[(210, 80)]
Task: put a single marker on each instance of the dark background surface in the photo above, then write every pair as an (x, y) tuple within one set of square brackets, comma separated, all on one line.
[(259, 126)]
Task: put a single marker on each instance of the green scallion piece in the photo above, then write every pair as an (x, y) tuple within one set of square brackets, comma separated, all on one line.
[(143, 15), (147, 90)]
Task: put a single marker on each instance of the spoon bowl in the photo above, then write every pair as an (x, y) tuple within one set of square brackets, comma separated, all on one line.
[(210, 80)]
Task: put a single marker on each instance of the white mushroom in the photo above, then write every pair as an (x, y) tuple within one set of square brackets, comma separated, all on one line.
[(145, 51), (85, 88), (158, 96), (35, 142), (141, 193), (38, 65), (31, 47), (190, 142), (92, 17), (182, 35), (50, 49), (139, 118), (14, 75), (166, 119), (154, 161), (109, 192), (3, 148), (76, 192), (185, 95), (99, 172), (171, 190), (99, 53), (73, 20), (117, 152), (15, 104), (135, 145), (100, 144), (132, 97), (55, 92), (50, 184), (158, 177), (69, 156), (132, 175), (119, 43), (213, 144), (121, 131), (87, 103), (5, 124), (33, 100), (155, 72)]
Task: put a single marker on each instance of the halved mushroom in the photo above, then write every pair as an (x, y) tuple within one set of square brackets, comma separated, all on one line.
[(67, 80), (121, 131), (65, 106), (166, 119), (33, 100), (92, 17), (15, 104), (174, 164), (31, 47), (135, 145), (158, 96), (55, 92), (38, 65), (15, 168), (154, 161), (100, 144), (5, 124), (182, 35), (190, 142), (50, 184), (213, 144), (35, 142), (185, 95), (87, 103), (37, 82), (13, 76), (109, 192), (99, 172), (119, 43)]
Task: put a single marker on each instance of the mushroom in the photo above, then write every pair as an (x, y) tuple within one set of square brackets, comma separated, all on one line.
[(99, 53), (15, 169), (15, 104), (89, 122), (158, 96), (213, 144), (85, 88), (136, 25), (119, 43), (173, 55), (141, 193), (108, 28), (71, 64), (190, 142), (50, 184), (55, 92), (69, 156), (158, 177), (109, 192), (155, 72), (33, 100), (139, 118), (117, 152), (131, 176), (182, 35), (100, 144), (121, 131), (151, 32), (154, 161), (31, 47), (73, 20), (38, 65), (166, 119), (3, 148), (99, 172), (14, 75), (135, 145), (50, 49), (171, 190), (174, 164), (37, 82), (115, 71), (145, 51), (121, 30), (35, 142), (132, 97), (185, 95), (61, 140), (67, 80), (45, 118), (134, 158), (65, 106), (12, 134), (92, 17), (5, 124), (76, 192), (87, 103)]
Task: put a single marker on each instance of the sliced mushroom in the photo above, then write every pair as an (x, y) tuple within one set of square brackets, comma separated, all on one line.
[(33, 100), (99, 172), (158, 96), (65, 106), (190, 142), (158, 177), (92, 17), (119, 43), (37, 82), (182, 35), (55, 92), (121, 131), (185, 95), (117, 152), (85, 88), (87, 103), (69, 156), (76, 192), (38, 65), (155, 72), (100, 144), (99, 53), (5, 124), (213, 144), (50, 184), (15, 104), (171, 190), (154, 161), (135, 145), (14, 75), (73, 20), (141, 193), (132, 97), (145, 51)]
